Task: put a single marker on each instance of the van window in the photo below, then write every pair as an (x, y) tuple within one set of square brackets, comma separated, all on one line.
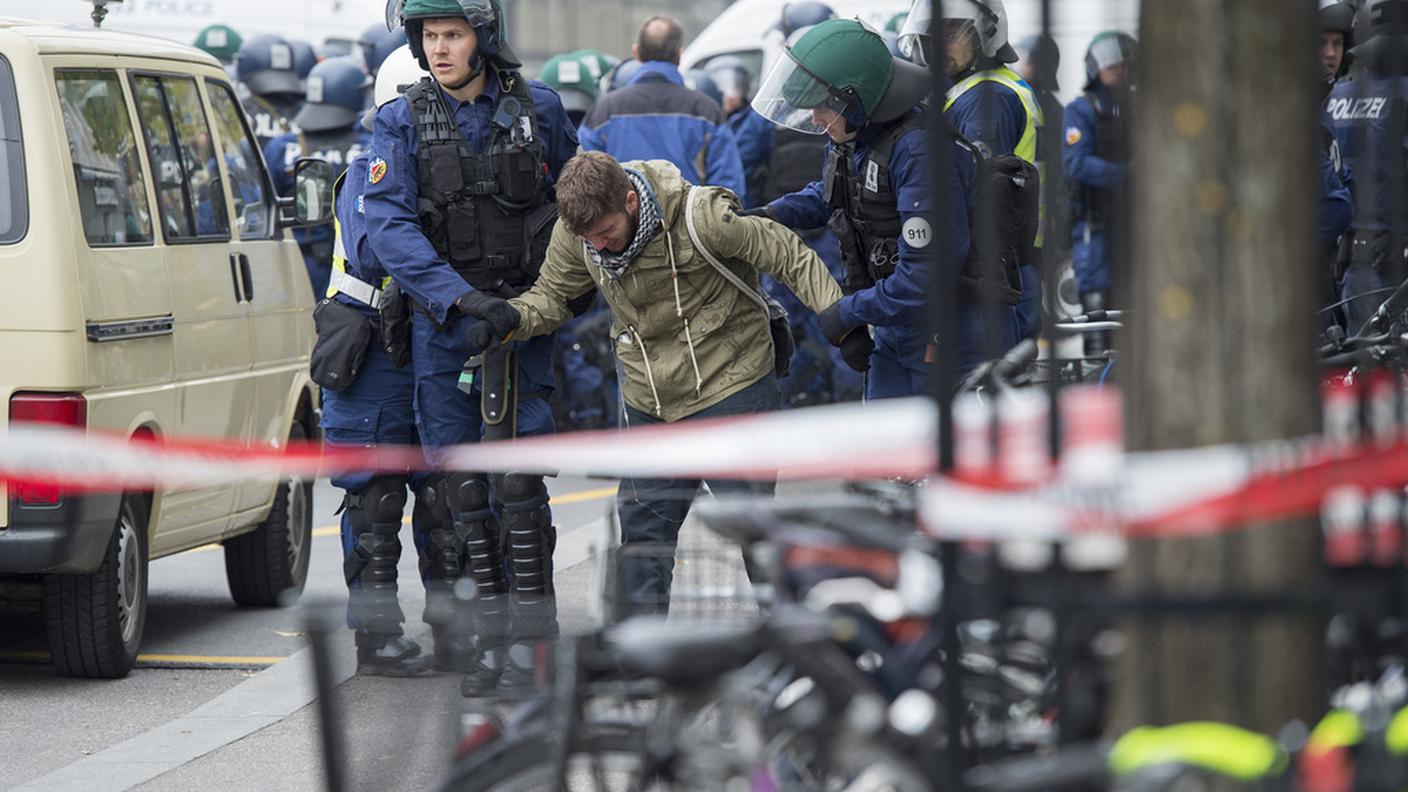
[(249, 185), (14, 209), (112, 193), (182, 155)]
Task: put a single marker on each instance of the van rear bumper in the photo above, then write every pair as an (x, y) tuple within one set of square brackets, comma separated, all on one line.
[(69, 538)]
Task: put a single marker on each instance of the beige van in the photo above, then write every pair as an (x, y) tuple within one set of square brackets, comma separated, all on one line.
[(150, 288)]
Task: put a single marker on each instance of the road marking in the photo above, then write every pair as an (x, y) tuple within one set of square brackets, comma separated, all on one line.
[(199, 661), (565, 499)]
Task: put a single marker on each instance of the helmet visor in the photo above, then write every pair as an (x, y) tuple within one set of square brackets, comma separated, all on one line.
[(478, 12), (1109, 51), (794, 98), (732, 80)]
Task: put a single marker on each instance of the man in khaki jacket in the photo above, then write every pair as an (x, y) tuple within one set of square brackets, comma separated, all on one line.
[(691, 342)]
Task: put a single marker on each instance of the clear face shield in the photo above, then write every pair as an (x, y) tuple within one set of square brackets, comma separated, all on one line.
[(913, 32), (731, 81), (478, 12), (792, 97)]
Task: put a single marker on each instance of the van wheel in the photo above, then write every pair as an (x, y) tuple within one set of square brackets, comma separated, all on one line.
[(95, 621), (269, 565)]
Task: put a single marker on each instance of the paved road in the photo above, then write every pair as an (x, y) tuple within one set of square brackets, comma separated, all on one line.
[(213, 706)]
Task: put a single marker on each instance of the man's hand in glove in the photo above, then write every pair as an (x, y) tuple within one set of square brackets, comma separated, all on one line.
[(502, 318), (482, 338), (854, 342)]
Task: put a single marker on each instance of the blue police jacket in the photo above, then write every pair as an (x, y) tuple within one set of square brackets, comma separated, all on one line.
[(753, 133), (393, 220), (990, 115), (656, 117), (1078, 155), (1336, 199), (361, 263), (902, 298), (1361, 113)]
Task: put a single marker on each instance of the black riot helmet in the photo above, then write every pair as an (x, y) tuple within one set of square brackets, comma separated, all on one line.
[(1337, 16), (1385, 52)]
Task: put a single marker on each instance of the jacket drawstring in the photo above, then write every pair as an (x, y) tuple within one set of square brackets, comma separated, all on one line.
[(649, 377), (679, 311)]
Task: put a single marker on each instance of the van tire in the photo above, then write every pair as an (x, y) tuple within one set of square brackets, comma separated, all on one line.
[(95, 621), (268, 566)]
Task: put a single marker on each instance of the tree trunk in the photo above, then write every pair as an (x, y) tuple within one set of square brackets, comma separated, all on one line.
[(1220, 345)]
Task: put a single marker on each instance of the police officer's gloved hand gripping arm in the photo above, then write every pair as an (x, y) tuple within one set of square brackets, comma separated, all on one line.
[(497, 319)]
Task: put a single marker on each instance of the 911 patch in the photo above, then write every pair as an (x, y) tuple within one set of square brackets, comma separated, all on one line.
[(916, 232), (1072, 136), (377, 171)]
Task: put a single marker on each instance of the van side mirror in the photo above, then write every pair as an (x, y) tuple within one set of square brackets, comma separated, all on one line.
[(312, 201), (312, 189)]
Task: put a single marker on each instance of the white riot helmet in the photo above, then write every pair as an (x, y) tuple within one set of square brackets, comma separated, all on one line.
[(988, 19), (398, 72)]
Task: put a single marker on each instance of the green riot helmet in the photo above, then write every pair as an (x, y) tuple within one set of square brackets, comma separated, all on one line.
[(1108, 49), (221, 41), (485, 16), (842, 66), (597, 63), (575, 82), (896, 22)]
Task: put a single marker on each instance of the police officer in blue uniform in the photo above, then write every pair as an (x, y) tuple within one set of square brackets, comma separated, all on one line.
[(459, 211), (989, 104), (271, 89), (840, 80), (1096, 159), (1369, 115), (330, 129), (378, 407)]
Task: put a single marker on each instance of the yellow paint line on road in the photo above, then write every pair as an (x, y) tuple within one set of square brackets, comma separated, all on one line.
[(565, 499), (170, 659)]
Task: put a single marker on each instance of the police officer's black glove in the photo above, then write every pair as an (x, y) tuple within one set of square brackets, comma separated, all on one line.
[(757, 211), (856, 349), (854, 342), (482, 338), (500, 315)]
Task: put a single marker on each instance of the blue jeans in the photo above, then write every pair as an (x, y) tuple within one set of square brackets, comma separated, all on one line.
[(652, 510)]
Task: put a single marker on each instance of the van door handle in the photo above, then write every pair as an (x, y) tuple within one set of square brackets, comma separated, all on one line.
[(235, 278), (248, 278)]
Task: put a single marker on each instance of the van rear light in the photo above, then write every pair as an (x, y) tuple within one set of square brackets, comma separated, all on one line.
[(60, 409)]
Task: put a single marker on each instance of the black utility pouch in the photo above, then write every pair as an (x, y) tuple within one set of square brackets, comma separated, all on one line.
[(395, 313), (782, 344), (343, 336)]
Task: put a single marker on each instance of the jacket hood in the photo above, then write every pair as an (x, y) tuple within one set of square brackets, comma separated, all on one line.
[(670, 187)]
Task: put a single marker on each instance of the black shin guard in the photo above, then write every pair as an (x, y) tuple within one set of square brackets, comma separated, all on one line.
[(472, 547), (531, 537), (374, 519)]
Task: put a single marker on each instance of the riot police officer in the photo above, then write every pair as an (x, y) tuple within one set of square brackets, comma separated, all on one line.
[(267, 71), (1369, 115), (330, 129), (377, 407), (221, 41), (569, 74), (458, 208), (989, 104), (1096, 159), (840, 80)]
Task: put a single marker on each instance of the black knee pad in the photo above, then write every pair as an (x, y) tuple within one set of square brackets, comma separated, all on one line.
[(431, 502), (523, 490), (384, 499), (466, 493)]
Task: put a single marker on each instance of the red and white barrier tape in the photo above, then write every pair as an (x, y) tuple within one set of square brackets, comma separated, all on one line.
[(892, 438)]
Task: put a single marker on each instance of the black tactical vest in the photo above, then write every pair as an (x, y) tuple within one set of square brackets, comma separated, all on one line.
[(486, 214), (793, 162), (867, 198), (1095, 204)]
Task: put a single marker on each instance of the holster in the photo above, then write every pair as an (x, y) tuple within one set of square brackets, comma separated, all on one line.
[(853, 260), (341, 346), (395, 313), (498, 388)]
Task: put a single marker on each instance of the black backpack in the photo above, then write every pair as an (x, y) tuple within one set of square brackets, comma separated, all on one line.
[(1004, 225)]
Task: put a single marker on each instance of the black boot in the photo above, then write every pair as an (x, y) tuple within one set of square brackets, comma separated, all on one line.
[(395, 657), (483, 680), (521, 678)]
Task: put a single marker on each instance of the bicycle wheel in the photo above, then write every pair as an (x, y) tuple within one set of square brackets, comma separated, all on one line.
[(603, 759)]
